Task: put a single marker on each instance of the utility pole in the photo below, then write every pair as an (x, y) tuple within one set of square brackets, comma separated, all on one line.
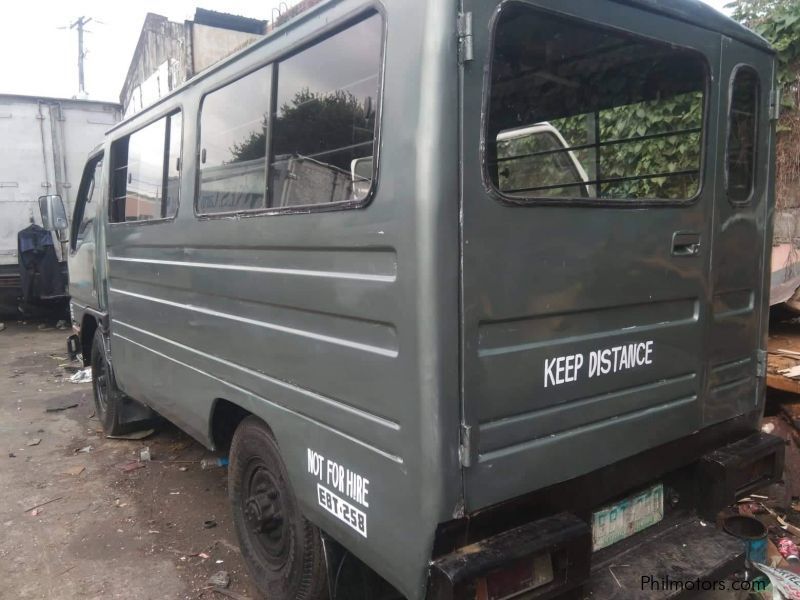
[(79, 24)]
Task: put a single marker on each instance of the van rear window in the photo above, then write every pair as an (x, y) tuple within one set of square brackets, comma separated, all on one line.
[(741, 150), (579, 111)]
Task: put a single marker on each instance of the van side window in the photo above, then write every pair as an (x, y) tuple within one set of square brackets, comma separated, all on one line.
[(145, 170), (233, 146), (579, 111), (323, 137), (742, 135), (86, 205)]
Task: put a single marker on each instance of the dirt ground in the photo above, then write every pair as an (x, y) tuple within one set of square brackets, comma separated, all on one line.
[(74, 523), (156, 532)]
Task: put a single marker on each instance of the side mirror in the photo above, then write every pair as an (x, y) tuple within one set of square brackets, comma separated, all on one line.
[(361, 174), (54, 217)]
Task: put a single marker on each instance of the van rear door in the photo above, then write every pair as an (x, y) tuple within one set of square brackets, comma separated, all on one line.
[(585, 290), (740, 258)]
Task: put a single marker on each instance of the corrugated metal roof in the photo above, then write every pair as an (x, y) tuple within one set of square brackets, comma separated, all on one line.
[(213, 18), (701, 14)]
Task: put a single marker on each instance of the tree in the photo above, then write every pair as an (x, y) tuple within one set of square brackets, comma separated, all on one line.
[(331, 126), (749, 12)]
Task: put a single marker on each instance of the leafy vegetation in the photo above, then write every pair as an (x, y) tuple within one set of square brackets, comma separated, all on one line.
[(634, 165), (778, 21)]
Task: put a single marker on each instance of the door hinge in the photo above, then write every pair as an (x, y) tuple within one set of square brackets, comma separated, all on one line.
[(465, 50), (775, 104), (465, 447), (761, 363)]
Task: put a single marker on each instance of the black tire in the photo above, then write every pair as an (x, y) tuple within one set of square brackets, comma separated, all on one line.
[(283, 551), (109, 400)]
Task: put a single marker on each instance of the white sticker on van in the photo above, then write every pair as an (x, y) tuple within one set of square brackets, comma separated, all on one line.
[(333, 478), (342, 509), (566, 369)]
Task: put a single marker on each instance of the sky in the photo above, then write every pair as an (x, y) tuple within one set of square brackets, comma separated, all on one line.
[(40, 52)]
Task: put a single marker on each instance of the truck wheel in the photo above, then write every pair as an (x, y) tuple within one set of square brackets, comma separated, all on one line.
[(283, 550), (117, 413)]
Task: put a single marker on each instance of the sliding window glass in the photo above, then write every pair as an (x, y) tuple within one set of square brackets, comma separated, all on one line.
[(741, 150), (145, 172), (323, 137), (579, 111), (233, 143)]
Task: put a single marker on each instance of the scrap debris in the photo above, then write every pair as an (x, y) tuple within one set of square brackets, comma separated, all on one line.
[(82, 376), (220, 579), (229, 594), (136, 435), (38, 506), (60, 407), (132, 466), (784, 582), (75, 471)]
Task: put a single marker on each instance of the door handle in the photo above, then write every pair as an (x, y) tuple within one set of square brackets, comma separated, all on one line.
[(685, 243)]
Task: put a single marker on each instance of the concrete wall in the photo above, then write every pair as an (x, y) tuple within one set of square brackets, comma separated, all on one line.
[(160, 63), (212, 44), (168, 53)]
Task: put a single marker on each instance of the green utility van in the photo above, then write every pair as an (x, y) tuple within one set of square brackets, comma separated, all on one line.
[(473, 294)]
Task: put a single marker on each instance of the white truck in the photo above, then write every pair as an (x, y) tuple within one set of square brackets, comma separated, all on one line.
[(43, 147)]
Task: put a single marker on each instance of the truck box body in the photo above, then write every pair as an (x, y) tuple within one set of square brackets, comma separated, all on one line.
[(45, 145), (453, 353)]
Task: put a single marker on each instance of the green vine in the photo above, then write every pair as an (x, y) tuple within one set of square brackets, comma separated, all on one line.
[(778, 21)]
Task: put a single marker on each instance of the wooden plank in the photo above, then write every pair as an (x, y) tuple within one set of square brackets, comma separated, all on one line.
[(779, 382)]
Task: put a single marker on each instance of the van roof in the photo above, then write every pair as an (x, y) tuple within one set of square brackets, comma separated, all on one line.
[(701, 14), (695, 12)]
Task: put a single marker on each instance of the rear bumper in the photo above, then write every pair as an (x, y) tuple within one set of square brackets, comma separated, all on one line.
[(685, 556), (665, 560), (9, 277)]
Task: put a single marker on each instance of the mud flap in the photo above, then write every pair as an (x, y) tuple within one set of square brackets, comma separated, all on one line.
[(134, 413)]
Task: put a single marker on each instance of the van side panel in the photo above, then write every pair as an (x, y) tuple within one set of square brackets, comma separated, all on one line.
[(337, 328)]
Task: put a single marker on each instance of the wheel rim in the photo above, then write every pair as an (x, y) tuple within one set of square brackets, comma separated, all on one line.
[(100, 379), (265, 517)]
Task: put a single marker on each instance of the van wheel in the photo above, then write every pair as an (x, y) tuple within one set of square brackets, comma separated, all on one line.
[(283, 550), (117, 413)]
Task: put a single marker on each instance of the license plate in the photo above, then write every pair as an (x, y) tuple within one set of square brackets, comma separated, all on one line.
[(342, 510), (622, 519)]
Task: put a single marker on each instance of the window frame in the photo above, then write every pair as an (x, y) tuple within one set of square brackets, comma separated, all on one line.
[(199, 140), (573, 201), (172, 110), (756, 133), (319, 36), (74, 229)]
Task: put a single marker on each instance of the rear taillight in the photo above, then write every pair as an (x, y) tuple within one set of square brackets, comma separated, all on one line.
[(516, 579)]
